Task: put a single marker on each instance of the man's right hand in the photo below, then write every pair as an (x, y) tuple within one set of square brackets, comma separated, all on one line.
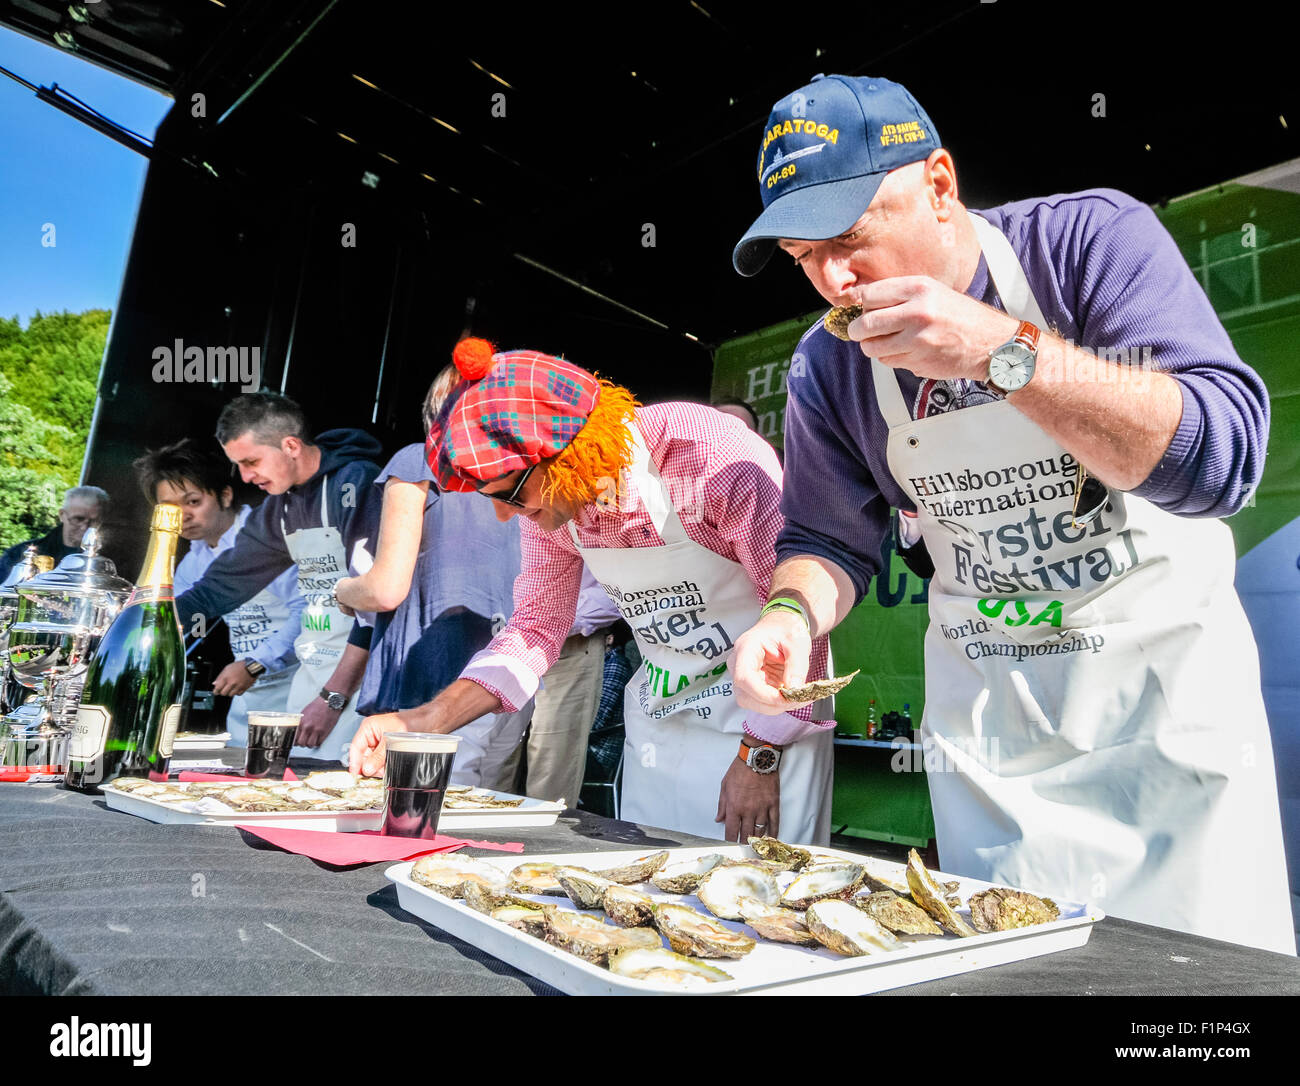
[(368, 752), (774, 652)]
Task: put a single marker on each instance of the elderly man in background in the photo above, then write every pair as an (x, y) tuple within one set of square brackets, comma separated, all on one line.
[(83, 507)]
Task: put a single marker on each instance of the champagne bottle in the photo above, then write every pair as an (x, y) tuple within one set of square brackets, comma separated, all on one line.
[(130, 703)]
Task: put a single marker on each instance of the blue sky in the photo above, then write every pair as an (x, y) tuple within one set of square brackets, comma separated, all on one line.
[(54, 169)]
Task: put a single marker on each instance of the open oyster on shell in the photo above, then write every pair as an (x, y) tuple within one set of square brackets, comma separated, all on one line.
[(817, 689), (899, 914), (1001, 909), (448, 874), (837, 321), (776, 923), (639, 870), (723, 888), (628, 908), (846, 929), (591, 939), (790, 857), (664, 967), (536, 878), (932, 897), (684, 876), (820, 881), (585, 888), (693, 933)]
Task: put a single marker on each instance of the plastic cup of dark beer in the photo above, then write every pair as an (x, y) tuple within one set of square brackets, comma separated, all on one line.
[(415, 779), (270, 738)]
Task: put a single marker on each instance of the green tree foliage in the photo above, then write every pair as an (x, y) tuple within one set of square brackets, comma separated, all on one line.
[(48, 374)]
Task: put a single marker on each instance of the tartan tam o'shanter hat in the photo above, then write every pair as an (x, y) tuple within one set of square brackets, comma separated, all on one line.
[(511, 410)]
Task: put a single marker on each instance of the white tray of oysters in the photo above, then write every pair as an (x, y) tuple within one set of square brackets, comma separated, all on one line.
[(763, 918), (329, 800)]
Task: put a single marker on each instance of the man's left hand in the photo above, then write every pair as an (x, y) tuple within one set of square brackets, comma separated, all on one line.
[(749, 803), (233, 680), (916, 323), (318, 720)]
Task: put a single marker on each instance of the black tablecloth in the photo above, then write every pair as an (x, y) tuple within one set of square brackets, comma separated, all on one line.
[(96, 901)]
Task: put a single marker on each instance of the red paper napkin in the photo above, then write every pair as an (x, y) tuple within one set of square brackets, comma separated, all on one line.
[(197, 775), (366, 846)]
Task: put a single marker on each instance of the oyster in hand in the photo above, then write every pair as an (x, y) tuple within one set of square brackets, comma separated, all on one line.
[(817, 689), (932, 897), (847, 930), (898, 914), (838, 319), (1001, 909)]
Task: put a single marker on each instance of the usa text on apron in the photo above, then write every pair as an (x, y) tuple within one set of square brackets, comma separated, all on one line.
[(322, 562), (687, 605), (1092, 694)]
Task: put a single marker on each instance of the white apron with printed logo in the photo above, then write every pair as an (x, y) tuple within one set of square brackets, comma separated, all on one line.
[(250, 625), (322, 562), (1094, 727), (687, 605)]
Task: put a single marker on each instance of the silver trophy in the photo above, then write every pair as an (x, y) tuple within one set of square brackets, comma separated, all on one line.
[(61, 616)]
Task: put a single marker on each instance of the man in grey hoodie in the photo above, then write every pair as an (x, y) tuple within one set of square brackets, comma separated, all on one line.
[(322, 514)]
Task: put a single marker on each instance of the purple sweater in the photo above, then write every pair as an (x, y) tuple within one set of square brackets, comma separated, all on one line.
[(1108, 276)]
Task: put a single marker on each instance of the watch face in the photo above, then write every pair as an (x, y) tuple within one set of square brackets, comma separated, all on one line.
[(1011, 367), (763, 760)]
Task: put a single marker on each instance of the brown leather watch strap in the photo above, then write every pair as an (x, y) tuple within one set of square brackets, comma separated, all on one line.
[(1027, 334)]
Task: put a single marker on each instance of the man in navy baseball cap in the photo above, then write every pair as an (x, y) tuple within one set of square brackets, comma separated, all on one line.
[(826, 149)]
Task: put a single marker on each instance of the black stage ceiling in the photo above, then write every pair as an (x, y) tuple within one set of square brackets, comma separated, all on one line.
[(502, 167)]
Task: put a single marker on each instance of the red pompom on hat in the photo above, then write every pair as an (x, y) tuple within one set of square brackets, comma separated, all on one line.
[(473, 358)]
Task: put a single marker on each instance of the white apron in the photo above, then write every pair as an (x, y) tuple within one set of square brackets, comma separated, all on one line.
[(322, 562), (1093, 721), (687, 605), (250, 625)]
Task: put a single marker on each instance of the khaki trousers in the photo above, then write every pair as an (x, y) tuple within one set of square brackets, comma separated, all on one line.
[(564, 710)]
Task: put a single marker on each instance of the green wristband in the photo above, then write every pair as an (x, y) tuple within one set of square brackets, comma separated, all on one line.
[(784, 603)]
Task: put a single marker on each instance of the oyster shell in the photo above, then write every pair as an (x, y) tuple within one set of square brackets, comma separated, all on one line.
[(683, 877), (591, 939), (485, 899), (536, 879), (846, 929), (585, 888), (628, 908), (790, 857), (531, 921), (1001, 909), (722, 888), (141, 785), (776, 923), (884, 875), (336, 782), (817, 689), (448, 875), (476, 799), (898, 914), (690, 932), (664, 967), (638, 870), (927, 893), (821, 881), (838, 319), (245, 798)]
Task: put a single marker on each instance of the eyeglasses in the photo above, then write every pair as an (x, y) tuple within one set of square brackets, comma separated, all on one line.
[(513, 497), (80, 520), (1091, 494)]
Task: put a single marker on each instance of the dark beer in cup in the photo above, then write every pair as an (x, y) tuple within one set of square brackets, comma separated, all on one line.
[(270, 738), (415, 778)]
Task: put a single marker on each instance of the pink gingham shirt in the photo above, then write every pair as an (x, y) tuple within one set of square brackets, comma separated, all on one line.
[(725, 482)]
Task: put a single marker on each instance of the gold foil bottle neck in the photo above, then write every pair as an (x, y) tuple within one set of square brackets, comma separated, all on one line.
[(166, 518)]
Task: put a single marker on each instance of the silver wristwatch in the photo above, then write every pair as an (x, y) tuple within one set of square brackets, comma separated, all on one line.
[(337, 702), (763, 758)]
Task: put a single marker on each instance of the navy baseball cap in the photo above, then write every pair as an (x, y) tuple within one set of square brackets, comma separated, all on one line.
[(825, 151)]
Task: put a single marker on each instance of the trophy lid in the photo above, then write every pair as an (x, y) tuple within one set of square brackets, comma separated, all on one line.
[(83, 573), (32, 564)]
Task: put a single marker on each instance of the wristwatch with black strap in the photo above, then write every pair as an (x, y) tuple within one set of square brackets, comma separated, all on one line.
[(760, 757), (336, 701)]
